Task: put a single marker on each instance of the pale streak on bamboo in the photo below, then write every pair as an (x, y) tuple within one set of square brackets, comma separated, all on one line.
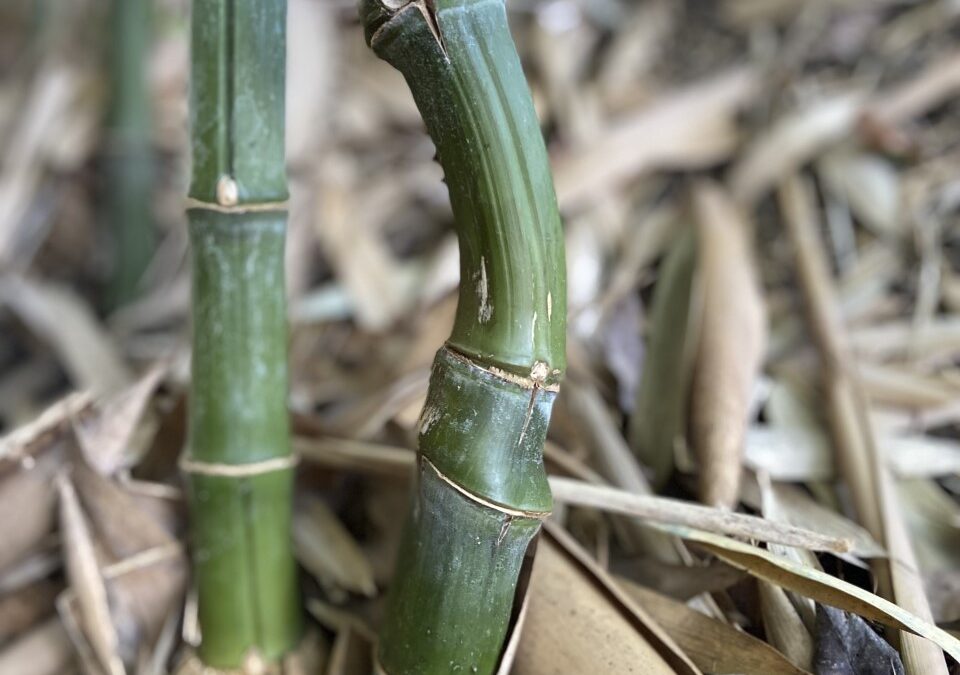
[(731, 344), (858, 458)]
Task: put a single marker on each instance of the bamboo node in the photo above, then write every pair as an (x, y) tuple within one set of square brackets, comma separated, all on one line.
[(261, 207), (477, 499), (539, 372), (228, 194), (196, 467)]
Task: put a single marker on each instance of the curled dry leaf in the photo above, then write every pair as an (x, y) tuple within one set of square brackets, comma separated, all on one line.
[(105, 439), (846, 643), (731, 344)]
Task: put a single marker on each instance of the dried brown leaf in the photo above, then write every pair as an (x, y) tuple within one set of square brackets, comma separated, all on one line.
[(580, 623), (106, 438), (45, 650), (19, 445), (24, 607), (817, 585), (28, 507), (714, 646), (688, 128), (86, 581), (791, 142), (328, 551), (64, 320), (731, 344)]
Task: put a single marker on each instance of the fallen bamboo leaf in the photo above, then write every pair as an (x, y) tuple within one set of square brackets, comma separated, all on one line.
[(813, 583), (28, 502), (936, 83), (19, 445), (578, 622), (59, 316), (690, 128), (328, 551), (783, 625), (796, 508), (870, 186), (714, 646), (791, 142), (105, 439), (659, 419), (788, 455), (45, 650), (860, 459), (730, 346), (86, 581), (21, 609), (896, 340), (904, 388), (794, 457)]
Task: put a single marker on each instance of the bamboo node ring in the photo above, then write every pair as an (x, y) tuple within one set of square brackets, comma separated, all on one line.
[(196, 467)]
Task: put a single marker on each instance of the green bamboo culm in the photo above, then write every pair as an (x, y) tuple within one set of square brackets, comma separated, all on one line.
[(238, 459), (128, 151), (481, 485)]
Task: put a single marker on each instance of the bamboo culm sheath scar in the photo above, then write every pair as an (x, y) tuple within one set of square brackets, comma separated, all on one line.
[(481, 485), (238, 457)]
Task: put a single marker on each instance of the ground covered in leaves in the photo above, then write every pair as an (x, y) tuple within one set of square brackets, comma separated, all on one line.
[(761, 204)]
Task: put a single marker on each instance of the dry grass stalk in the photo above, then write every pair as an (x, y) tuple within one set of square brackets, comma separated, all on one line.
[(674, 511)]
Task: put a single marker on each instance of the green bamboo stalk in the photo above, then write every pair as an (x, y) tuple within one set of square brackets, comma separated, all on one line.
[(128, 156), (482, 490), (238, 458)]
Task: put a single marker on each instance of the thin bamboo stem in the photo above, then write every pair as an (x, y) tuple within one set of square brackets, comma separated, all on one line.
[(482, 489), (239, 456), (128, 156)]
